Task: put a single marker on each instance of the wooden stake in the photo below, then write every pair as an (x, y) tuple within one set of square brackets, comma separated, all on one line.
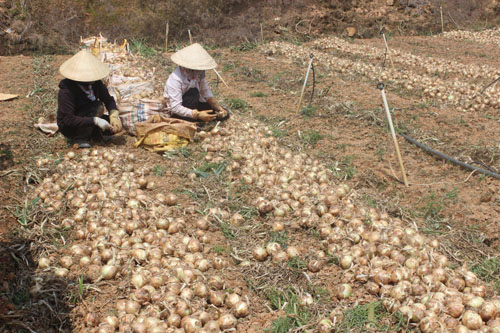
[(305, 83), (380, 86), (220, 77), (166, 38), (442, 21), (261, 34), (388, 51), (190, 37)]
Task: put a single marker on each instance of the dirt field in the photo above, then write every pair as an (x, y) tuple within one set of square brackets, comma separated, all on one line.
[(343, 127)]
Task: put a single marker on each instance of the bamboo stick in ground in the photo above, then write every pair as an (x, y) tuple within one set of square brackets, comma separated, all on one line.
[(305, 83), (388, 51), (261, 34), (190, 37), (380, 86), (442, 21), (166, 38), (220, 77)]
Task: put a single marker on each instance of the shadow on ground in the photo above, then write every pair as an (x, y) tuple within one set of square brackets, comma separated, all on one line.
[(29, 301)]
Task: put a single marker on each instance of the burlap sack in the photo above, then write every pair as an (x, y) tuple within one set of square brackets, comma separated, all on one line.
[(139, 112)]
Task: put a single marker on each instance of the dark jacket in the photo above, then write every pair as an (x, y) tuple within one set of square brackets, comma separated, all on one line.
[(74, 109)]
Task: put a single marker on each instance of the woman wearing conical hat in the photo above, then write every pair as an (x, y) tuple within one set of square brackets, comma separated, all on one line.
[(186, 93), (79, 102)]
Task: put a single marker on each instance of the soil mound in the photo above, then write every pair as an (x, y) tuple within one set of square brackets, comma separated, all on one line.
[(29, 25)]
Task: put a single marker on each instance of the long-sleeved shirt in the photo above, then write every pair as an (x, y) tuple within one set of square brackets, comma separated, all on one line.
[(177, 85), (74, 107)]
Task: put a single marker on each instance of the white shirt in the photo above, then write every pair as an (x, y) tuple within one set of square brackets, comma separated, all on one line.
[(177, 85)]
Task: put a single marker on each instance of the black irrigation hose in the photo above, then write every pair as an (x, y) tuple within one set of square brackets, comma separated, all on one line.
[(451, 159)]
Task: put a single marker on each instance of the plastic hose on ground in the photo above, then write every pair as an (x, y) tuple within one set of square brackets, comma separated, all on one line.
[(451, 159)]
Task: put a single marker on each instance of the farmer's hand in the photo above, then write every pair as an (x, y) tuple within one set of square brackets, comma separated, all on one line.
[(206, 115), (101, 123), (115, 122)]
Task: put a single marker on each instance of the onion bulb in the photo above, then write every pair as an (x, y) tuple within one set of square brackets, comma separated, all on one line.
[(138, 280), (475, 302), (108, 272), (112, 321), (273, 248), (344, 291), (259, 253), (171, 199), (241, 309), (162, 224), (61, 272), (216, 298), (174, 320), (278, 226), (455, 309), (472, 320), (191, 324), (132, 307), (216, 282), (325, 326), (430, 324), (227, 321), (488, 310), (92, 319), (232, 299), (346, 261), (314, 266), (200, 290), (292, 251), (44, 263)]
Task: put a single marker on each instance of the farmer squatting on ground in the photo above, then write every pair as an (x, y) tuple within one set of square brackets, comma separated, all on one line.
[(80, 113), (187, 95)]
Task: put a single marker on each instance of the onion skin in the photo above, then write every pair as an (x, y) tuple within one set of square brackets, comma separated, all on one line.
[(231, 300), (227, 321), (455, 309), (488, 311), (171, 199), (259, 253), (344, 291), (174, 320), (191, 324), (132, 307), (241, 309), (325, 326), (44, 263), (429, 325), (472, 320), (217, 298), (314, 266), (108, 272)]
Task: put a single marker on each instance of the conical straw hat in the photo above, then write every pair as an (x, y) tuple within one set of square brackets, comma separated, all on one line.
[(194, 57), (84, 67)]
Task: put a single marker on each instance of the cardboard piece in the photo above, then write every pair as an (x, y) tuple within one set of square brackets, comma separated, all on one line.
[(6, 97)]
